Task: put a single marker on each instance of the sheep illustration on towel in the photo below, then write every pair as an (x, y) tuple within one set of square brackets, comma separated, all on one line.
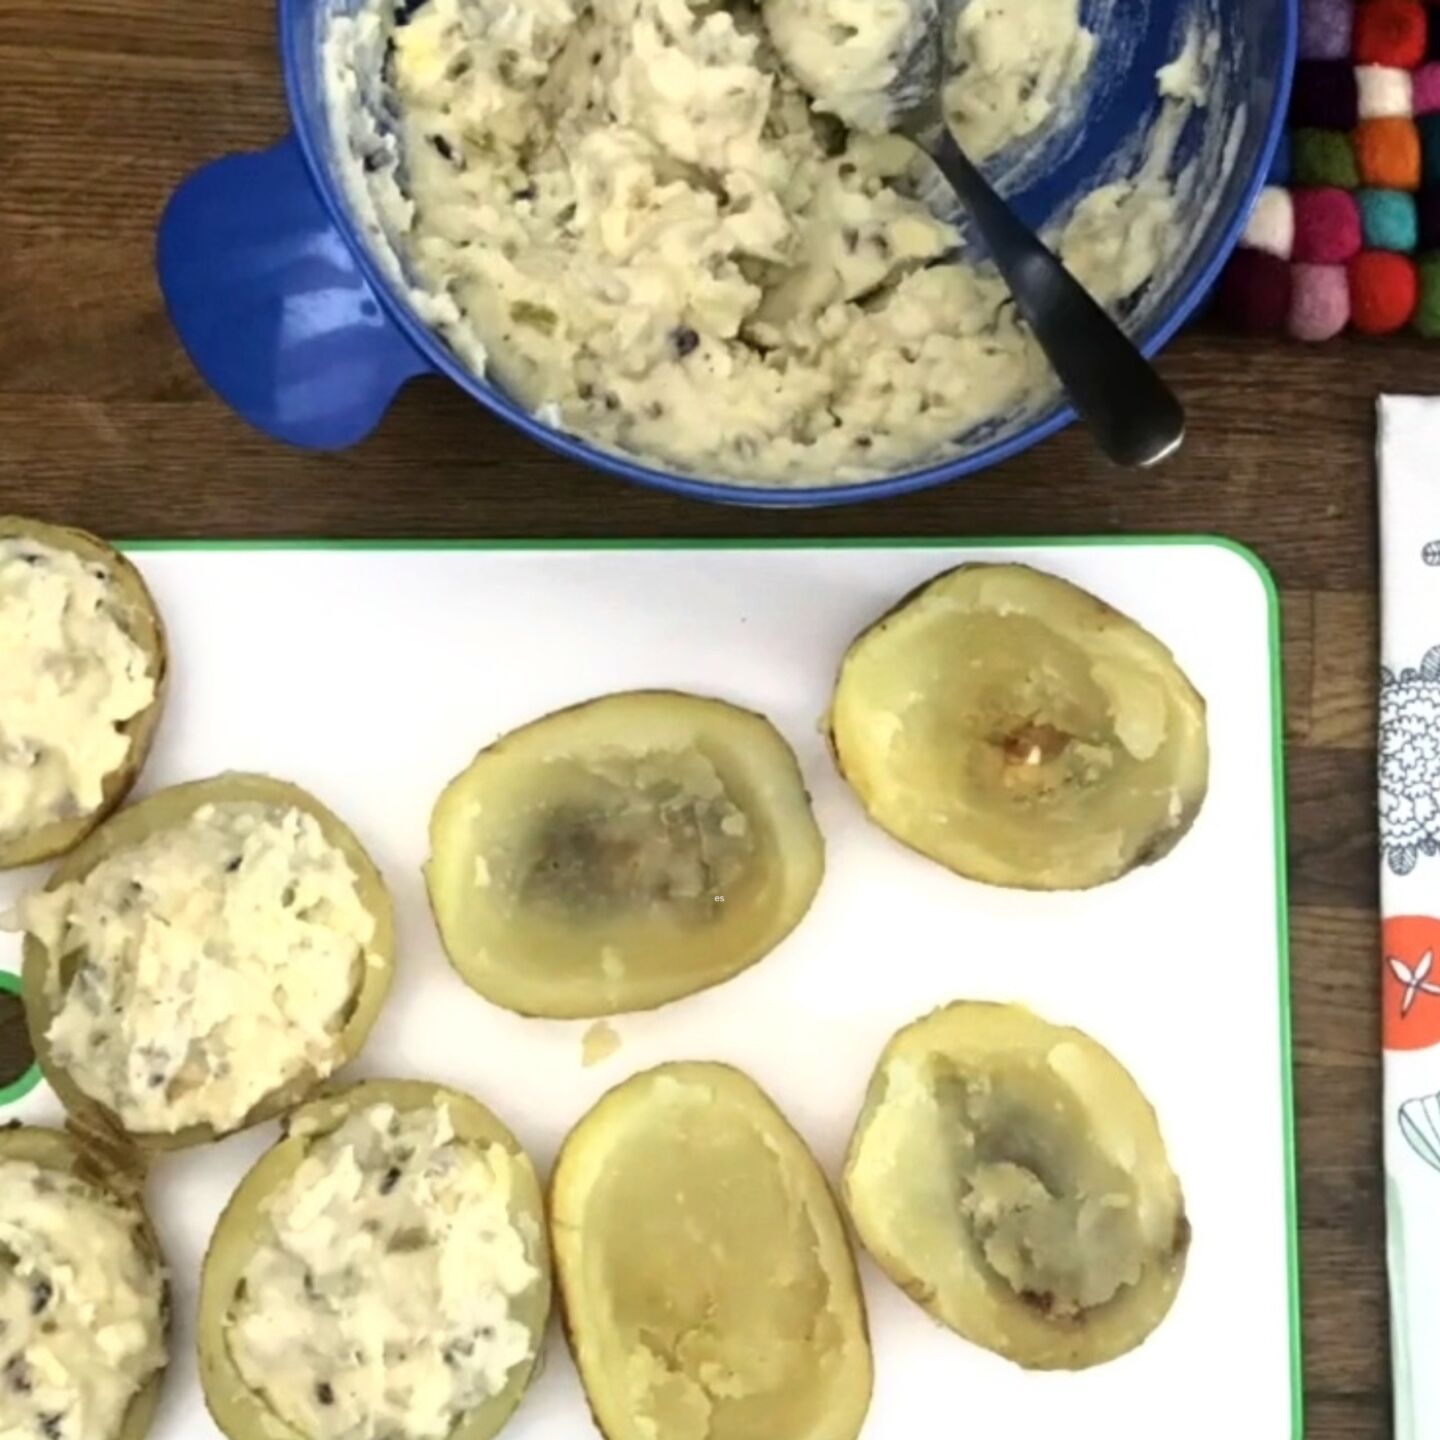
[(1410, 763)]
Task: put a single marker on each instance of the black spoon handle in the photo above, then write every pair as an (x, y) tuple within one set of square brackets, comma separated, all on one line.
[(1134, 415)]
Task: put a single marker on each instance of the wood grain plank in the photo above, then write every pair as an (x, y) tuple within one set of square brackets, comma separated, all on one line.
[(1297, 621), (95, 141), (1336, 985), (1336, 989), (109, 393), (1346, 648), (1333, 834), (1348, 1417), (16, 1056), (222, 29), (1344, 1314), (87, 325)]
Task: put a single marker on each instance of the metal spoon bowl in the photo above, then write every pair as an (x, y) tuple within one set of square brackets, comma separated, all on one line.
[(1134, 416)]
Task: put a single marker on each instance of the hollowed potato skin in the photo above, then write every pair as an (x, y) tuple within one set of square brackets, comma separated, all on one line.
[(148, 631), (976, 1308), (514, 976), (164, 810), (586, 1154), (1089, 615)]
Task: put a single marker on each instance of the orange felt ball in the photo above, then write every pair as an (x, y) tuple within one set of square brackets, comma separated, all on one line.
[(1384, 292), (1387, 153)]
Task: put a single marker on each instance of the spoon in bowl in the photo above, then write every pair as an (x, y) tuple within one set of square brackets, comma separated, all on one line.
[(1134, 416)]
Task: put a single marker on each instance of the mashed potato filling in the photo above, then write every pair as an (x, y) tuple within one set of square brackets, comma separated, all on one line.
[(634, 218), (204, 967), (82, 1326), (71, 675), (379, 1302)]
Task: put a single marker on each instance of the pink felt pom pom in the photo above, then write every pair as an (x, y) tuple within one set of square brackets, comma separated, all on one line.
[(1327, 226), (1319, 302), (1425, 83)]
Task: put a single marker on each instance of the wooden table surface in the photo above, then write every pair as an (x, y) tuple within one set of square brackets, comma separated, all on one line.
[(105, 104)]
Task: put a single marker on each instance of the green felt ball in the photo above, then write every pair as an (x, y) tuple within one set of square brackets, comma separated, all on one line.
[(1324, 157), (1389, 220), (1427, 317)]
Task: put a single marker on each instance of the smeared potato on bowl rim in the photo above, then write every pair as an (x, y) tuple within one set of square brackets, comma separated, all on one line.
[(1020, 731)]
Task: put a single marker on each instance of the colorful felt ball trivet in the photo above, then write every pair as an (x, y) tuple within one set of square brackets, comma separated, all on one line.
[(1346, 234)]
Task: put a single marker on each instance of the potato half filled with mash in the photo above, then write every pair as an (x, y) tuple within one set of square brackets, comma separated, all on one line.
[(84, 1302), (621, 854), (204, 959), (707, 1282), (382, 1271), (82, 684), (1009, 1175), (1020, 731)]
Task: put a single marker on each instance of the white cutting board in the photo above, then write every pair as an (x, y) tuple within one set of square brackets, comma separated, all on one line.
[(372, 675)]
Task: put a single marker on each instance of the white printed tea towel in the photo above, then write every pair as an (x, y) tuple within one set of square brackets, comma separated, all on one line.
[(1410, 896)]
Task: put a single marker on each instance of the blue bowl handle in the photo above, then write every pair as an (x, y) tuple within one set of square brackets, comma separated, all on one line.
[(271, 305)]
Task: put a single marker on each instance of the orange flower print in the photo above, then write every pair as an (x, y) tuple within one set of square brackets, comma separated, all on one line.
[(1410, 982)]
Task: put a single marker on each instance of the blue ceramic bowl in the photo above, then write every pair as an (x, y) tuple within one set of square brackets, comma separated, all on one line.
[(287, 315)]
